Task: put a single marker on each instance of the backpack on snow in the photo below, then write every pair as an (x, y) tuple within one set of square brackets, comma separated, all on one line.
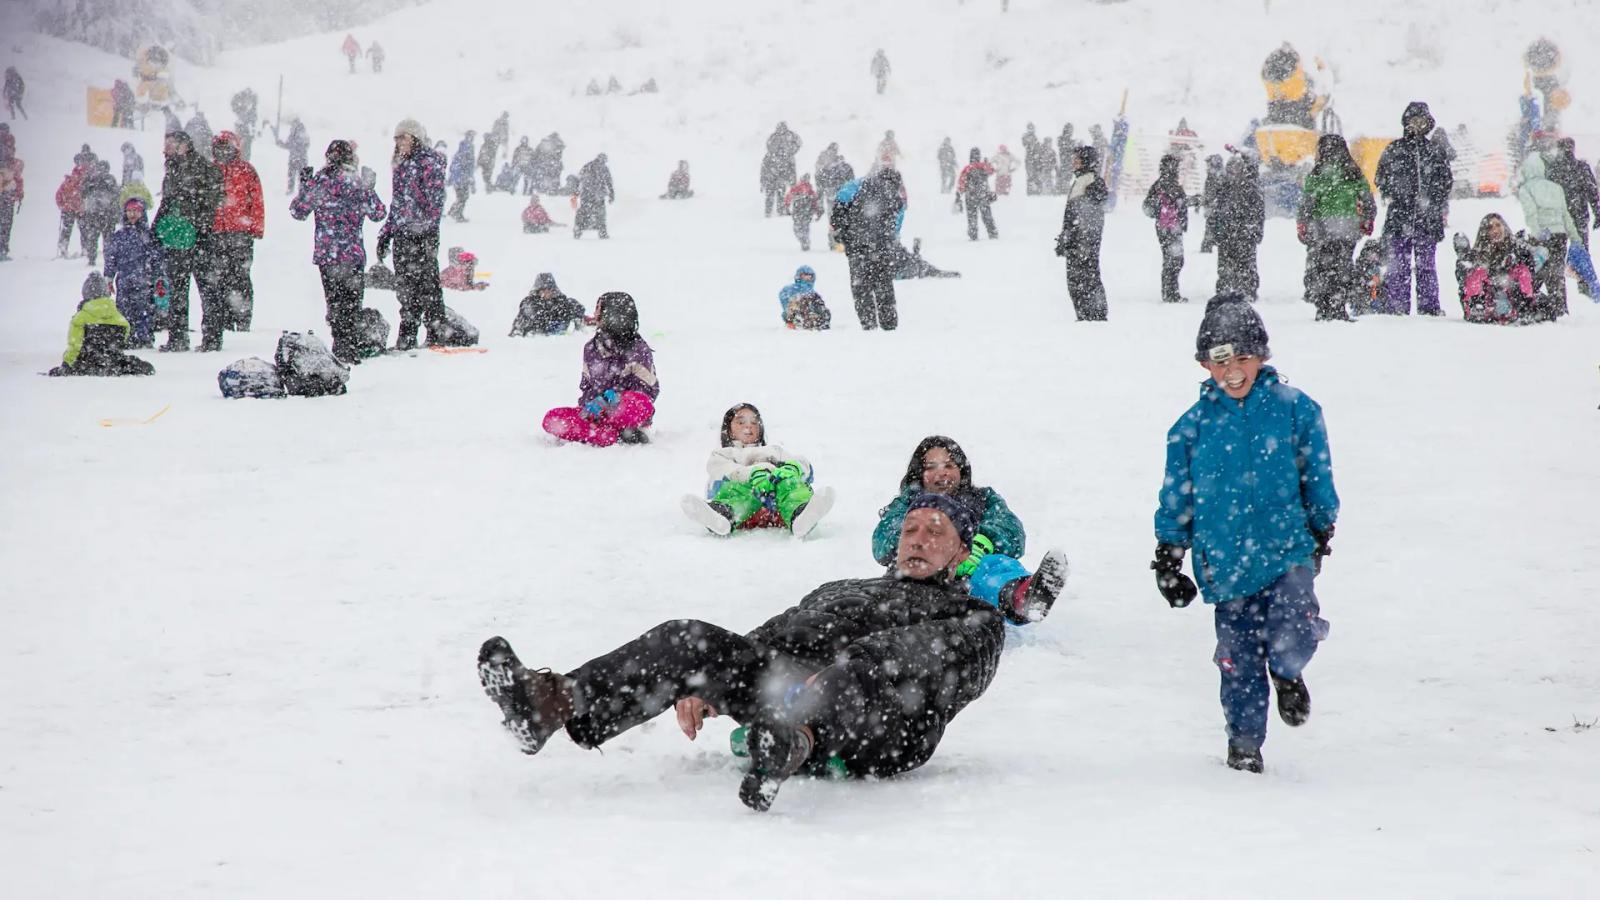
[(372, 332), (307, 367), (253, 377), (452, 331), (380, 277)]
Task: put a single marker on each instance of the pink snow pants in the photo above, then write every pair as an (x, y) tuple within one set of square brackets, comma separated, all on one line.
[(633, 410)]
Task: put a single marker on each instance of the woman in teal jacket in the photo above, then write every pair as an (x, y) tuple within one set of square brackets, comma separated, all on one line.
[(940, 466)]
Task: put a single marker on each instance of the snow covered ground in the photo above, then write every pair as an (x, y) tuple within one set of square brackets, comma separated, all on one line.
[(237, 649)]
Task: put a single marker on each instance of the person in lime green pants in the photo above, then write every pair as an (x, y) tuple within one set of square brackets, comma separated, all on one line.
[(754, 485)]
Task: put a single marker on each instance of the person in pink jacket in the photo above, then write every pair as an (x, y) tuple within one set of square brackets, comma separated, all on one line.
[(618, 390)]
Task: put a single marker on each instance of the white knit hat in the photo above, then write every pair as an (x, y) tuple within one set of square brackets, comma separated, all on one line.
[(413, 128)]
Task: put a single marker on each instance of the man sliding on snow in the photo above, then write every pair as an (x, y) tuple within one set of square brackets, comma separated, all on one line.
[(867, 671)]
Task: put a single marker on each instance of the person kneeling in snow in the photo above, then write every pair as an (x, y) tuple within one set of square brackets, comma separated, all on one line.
[(801, 304), (753, 485), (993, 569), (1249, 485), (862, 677), (462, 272), (535, 220), (617, 393), (97, 336), (546, 310)]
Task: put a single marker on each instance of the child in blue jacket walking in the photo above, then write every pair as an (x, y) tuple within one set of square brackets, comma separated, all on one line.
[(1249, 487), (134, 264)]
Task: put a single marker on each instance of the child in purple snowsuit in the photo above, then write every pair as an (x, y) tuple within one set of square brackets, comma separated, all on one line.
[(133, 263), (341, 200), (1414, 178), (616, 396)]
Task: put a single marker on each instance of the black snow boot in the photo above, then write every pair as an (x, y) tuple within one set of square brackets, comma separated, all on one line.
[(633, 436), (1294, 701), (776, 752), (1244, 759), (1031, 598), (536, 704)]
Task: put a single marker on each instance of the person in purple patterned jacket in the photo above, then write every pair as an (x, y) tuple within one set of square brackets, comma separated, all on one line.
[(616, 396), (416, 205), (341, 200)]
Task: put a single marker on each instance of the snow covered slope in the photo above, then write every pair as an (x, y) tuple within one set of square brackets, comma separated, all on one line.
[(237, 649)]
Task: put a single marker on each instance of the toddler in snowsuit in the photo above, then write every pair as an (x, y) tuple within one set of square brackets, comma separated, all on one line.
[(97, 336), (462, 272), (993, 571), (134, 264), (802, 306), (1249, 486), (535, 220), (752, 485), (546, 310), (801, 202), (618, 390)]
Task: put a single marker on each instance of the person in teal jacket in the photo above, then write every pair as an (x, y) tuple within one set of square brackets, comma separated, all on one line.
[(993, 570), (1249, 488)]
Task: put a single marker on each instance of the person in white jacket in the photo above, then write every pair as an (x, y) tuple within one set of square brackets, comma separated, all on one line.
[(1544, 206), (752, 484)]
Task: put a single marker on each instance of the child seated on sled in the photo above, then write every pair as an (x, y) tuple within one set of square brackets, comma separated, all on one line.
[(546, 310), (753, 485), (801, 305), (535, 220), (678, 183), (97, 335), (618, 390), (1495, 275), (462, 272)]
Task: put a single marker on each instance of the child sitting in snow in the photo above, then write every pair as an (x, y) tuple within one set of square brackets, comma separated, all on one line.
[(1496, 276), (802, 306), (617, 393), (460, 274), (678, 183), (97, 335), (753, 485), (546, 310), (534, 218)]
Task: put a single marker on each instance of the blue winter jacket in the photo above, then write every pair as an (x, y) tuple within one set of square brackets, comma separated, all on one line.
[(798, 288), (134, 260), (1247, 483), (461, 171)]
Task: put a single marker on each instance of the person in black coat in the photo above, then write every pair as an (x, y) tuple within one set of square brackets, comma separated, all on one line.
[(866, 225), (595, 190), (1208, 200), (191, 191), (947, 167), (1082, 224), (546, 310), (1577, 180), (1414, 178), (1238, 224), (1168, 204), (778, 167), (862, 674)]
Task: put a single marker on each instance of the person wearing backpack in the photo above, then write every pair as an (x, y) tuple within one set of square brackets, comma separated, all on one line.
[(341, 201), (1167, 203)]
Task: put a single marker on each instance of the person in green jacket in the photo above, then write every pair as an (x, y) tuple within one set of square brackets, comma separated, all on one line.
[(97, 335), (1336, 209), (1544, 206), (993, 569)]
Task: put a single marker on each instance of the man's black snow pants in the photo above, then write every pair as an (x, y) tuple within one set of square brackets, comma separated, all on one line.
[(854, 711), (416, 286), (343, 286), (872, 287)]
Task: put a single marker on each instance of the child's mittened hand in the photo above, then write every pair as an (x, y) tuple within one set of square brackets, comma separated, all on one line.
[(591, 410), (609, 397)]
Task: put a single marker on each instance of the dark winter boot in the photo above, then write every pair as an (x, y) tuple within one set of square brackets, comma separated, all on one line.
[(633, 436), (1244, 759), (536, 704), (776, 752), (177, 342), (1294, 701), (1030, 599), (716, 518)]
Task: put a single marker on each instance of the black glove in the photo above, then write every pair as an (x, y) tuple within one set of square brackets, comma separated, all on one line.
[(305, 174), (1176, 587), (1324, 539), (383, 246)]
